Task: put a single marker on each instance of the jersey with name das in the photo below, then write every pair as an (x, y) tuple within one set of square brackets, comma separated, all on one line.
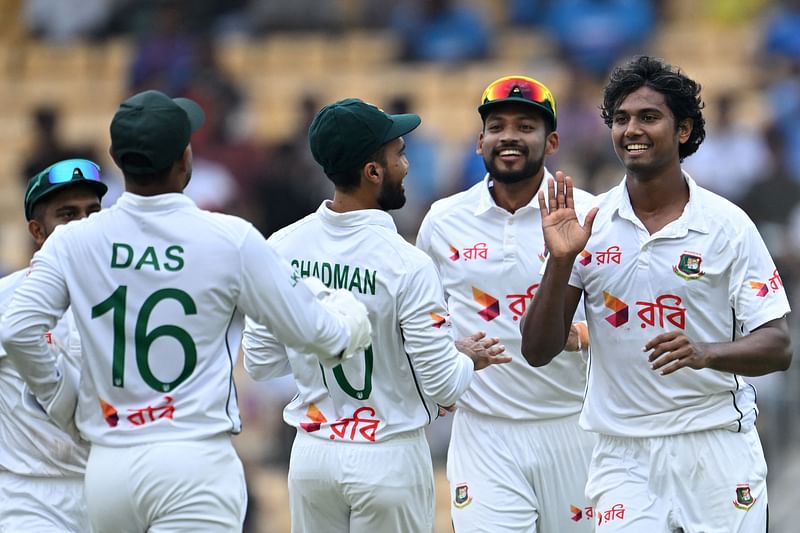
[(158, 288), (412, 364), (708, 275), (32, 444), (490, 261)]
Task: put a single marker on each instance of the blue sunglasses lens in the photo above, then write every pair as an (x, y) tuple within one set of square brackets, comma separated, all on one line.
[(73, 169)]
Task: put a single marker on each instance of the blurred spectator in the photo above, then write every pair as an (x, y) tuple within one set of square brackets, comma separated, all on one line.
[(584, 151), (445, 31), (784, 98), (264, 16), (771, 198), (165, 56), (782, 31), (421, 185), (293, 185), (527, 12), (733, 156), (47, 147), (593, 34), (62, 21)]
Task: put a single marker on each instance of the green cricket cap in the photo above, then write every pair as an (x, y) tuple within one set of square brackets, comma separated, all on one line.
[(344, 134), (156, 127), (61, 175)]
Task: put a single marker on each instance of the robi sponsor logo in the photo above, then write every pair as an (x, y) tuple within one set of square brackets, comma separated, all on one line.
[(620, 308), (578, 513), (491, 306)]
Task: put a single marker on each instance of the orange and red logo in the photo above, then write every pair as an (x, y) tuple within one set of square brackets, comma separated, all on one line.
[(491, 306), (620, 308)]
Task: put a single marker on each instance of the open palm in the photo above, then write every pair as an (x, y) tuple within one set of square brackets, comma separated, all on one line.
[(564, 235)]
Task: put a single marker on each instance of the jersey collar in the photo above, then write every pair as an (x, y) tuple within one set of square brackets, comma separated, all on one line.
[(159, 202), (486, 202), (693, 217), (360, 217)]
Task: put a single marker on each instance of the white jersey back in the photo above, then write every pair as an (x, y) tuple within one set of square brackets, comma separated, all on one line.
[(32, 444), (490, 262), (412, 364), (157, 288), (707, 274)]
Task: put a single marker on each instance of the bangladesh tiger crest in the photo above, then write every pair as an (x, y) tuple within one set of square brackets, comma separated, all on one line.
[(462, 497), (688, 267), (744, 499)]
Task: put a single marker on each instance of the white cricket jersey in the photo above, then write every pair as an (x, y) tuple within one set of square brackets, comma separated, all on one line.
[(707, 274), (158, 288), (490, 260), (412, 365), (32, 445)]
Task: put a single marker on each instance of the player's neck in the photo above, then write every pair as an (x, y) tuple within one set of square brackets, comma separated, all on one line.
[(513, 196), (658, 201)]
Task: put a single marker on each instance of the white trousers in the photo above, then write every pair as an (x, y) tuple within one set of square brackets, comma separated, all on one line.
[(704, 482), (42, 504), (166, 487), (341, 487), (518, 476)]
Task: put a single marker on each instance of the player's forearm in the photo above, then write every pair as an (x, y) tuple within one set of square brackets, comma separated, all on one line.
[(544, 328), (767, 349), (445, 383), (27, 349)]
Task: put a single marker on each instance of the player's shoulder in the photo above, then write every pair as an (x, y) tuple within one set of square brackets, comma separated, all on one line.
[(456, 204), (9, 283), (719, 212), (295, 230)]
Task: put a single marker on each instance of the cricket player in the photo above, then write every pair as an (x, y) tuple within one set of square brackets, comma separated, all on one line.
[(41, 467), (157, 289), (517, 460), (360, 462), (682, 299)]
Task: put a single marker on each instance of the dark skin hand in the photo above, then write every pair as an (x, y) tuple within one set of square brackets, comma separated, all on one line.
[(673, 350)]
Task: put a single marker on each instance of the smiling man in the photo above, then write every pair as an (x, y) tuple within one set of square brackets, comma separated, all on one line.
[(682, 299), (517, 460), (360, 461)]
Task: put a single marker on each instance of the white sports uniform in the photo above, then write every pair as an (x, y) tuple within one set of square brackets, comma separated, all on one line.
[(158, 288), (41, 467), (490, 261), (360, 461), (709, 275)]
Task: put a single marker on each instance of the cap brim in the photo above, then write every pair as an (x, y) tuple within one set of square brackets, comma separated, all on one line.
[(485, 108), (401, 125), (195, 113)]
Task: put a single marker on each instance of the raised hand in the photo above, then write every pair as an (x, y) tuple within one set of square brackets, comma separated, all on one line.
[(564, 235)]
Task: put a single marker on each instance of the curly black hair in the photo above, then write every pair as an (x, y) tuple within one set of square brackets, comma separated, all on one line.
[(682, 95)]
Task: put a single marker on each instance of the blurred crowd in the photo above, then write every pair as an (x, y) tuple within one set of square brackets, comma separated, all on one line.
[(751, 154)]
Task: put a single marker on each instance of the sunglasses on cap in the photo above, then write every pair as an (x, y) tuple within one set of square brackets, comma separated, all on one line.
[(520, 88), (71, 169), (62, 172)]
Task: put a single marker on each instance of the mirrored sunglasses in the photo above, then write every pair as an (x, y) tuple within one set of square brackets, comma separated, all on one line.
[(72, 169), (519, 87)]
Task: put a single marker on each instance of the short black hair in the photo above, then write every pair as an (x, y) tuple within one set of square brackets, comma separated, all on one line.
[(142, 179), (350, 180), (681, 93)]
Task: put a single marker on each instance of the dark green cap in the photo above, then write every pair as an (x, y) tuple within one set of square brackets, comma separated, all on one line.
[(344, 134), (63, 174), (154, 126)]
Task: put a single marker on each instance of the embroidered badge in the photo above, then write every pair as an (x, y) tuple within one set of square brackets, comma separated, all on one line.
[(462, 497), (744, 499), (688, 267)]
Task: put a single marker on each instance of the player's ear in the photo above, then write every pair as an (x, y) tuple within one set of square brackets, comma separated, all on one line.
[(551, 143), (36, 229), (372, 172), (479, 145)]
